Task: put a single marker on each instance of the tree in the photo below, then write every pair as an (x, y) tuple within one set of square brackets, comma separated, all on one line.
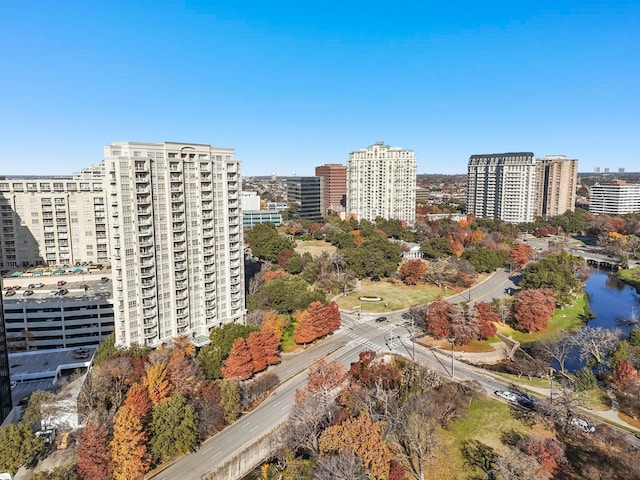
[(36, 409), (139, 402), (436, 247), (323, 378), (18, 446), (596, 343), (481, 456), (411, 271), (558, 348), (255, 342), (624, 372), (520, 254), (270, 344), (239, 364), (65, 472), (94, 461), (556, 272), (207, 401), (487, 318), (286, 295), (486, 259), (129, 446), (266, 242), (157, 383), (438, 318), (183, 372), (230, 400), (317, 321), (440, 271), (365, 438), (221, 340), (174, 429), (344, 465), (533, 308)]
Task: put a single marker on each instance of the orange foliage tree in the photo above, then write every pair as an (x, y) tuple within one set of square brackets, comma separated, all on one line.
[(258, 354), (317, 321), (272, 322), (239, 363), (139, 402), (94, 461), (274, 274), (182, 371), (412, 271), (157, 383), (533, 308), (487, 318), (129, 446), (520, 254), (624, 371), (365, 438)]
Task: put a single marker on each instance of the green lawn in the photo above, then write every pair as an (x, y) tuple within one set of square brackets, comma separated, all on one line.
[(564, 319), (396, 295), (630, 276), (314, 247)]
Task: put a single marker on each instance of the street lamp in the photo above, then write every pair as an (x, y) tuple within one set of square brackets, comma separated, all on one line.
[(452, 341), (413, 331)]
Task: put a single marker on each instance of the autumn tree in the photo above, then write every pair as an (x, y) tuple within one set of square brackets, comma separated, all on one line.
[(438, 318), (206, 399), (212, 356), (255, 342), (182, 370), (94, 461), (487, 318), (365, 438), (520, 254), (411, 271), (174, 429), (533, 308), (239, 364), (272, 322), (157, 383), (129, 446), (368, 372), (139, 402), (308, 327), (624, 372)]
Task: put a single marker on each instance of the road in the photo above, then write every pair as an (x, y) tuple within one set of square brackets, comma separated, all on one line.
[(344, 346)]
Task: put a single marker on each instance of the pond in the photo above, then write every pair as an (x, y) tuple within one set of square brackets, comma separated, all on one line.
[(614, 304)]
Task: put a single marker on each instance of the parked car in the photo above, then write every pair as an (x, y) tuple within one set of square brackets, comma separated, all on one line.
[(26, 293), (61, 283), (16, 287), (582, 425), (505, 394), (62, 291), (38, 285), (104, 279), (10, 293), (31, 285)]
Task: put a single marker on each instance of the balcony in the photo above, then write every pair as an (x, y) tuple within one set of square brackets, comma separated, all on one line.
[(148, 292), (180, 266), (148, 303), (182, 322), (179, 247), (181, 257), (142, 178), (148, 334), (146, 243), (181, 276), (149, 313), (143, 199), (147, 273)]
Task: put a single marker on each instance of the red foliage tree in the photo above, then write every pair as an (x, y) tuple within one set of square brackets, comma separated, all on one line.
[(255, 341), (139, 402), (94, 461), (412, 271), (283, 257), (624, 372), (323, 377), (182, 372), (520, 254), (549, 453), (332, 318), (438, 322), (487, 318), (533, 308), (239, 363), (273, 275), (317, 321), (367, 372), (271, 345)]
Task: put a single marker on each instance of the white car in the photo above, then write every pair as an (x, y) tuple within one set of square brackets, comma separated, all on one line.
[(509, 396), (582, 425)]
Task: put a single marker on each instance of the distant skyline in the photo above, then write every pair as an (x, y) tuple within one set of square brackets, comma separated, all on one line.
[(292, 85)]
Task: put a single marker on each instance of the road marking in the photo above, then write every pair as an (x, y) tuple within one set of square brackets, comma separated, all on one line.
[(245, 425), (253, 428), (277, 403)]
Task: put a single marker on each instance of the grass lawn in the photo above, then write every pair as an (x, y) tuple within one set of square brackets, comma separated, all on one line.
[(524, 380), (314, 247), (396, 294), (630, 276), (563, 319), (288, 344), (486, 421), (596, 399)]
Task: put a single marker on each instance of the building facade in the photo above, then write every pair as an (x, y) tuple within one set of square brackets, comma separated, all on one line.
[(556, 181), (5, 378), (177, 243), (502, 186), (53, 220), (307, 193), (251, 218), (335, 186), (615, 198), (381, 182)]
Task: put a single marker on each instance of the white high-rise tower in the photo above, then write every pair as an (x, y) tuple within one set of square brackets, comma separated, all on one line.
[(176, 240), (381, 182)]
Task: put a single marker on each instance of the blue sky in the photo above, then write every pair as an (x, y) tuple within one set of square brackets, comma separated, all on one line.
[(291, 85)]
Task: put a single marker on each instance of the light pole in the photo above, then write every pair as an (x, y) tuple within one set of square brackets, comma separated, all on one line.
[(413, 331), (452, 341)]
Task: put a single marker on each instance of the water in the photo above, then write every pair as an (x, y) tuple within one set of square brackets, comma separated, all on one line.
[(614, 304)]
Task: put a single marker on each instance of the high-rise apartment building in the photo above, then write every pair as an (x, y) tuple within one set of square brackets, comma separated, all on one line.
[(556, 180), (614, 198), (381, 182), (307, 194), (502, 186), (177, 244), (5, 378), (335, 186), (53, 220)]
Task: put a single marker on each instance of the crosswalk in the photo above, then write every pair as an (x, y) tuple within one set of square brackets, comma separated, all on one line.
[(368, 343)]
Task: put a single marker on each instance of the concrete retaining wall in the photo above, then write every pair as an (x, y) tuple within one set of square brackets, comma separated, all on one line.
[(251, 456)]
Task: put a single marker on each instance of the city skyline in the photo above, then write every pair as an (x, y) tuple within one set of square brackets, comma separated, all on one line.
[(294, 87)]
